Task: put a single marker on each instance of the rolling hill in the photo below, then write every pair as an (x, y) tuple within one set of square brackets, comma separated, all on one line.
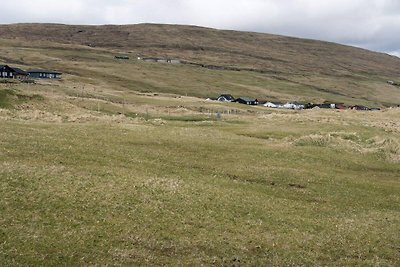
[(284, 68)]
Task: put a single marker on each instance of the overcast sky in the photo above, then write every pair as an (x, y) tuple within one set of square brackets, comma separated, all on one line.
[(371, 24)]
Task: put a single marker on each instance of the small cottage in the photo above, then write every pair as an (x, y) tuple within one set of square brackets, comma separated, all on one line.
[(44, 74), (12, 72), (273, 105), (246, 101), (173, 61), (226, 98), (294, 105), (340, 106), (121, 57), (150, 59), (327, 106), (359, 107)]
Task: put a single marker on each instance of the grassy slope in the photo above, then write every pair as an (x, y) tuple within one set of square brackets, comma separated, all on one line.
[(282, 189), (318, 66), (169, 184), (96, 67)]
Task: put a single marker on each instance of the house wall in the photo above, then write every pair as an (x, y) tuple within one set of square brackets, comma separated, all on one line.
[(21, 77), (5, 72)]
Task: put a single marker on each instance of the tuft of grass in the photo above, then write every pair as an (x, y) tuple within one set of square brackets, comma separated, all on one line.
[(6, 96), (10, 97)]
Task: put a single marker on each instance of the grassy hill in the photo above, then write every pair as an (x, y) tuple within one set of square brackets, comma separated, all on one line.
[(123, 162), (292, 68)]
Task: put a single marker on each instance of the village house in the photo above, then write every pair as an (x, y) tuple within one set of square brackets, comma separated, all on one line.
[(325, 106), (173, 61), (273, 105), (359, 107), (340, 106), (44, 74), (294, 105), (150, 59), (12, 72), (160, 60), (226, 98), (121, 57), (246, 101)]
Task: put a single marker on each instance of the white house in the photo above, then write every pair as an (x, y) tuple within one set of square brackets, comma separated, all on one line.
[(273, 105), (293, 105)]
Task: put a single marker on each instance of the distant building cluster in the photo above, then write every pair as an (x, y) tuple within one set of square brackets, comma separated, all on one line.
[(151, 59), (8, 72), (287, 105)]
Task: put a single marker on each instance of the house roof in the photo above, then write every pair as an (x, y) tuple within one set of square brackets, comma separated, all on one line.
[(14, 69), (44, 71), (19, 71)]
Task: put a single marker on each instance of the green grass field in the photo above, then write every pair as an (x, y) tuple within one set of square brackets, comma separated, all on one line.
[(304, 188), (120, 164)]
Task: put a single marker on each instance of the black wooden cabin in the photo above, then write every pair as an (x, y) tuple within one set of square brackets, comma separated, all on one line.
[(12, 73)]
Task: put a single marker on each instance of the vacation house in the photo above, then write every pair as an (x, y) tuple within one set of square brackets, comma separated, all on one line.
[(12, 72), (246, 101), (44, 74)]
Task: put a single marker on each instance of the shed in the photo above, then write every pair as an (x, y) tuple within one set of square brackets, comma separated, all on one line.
[(44, 74)]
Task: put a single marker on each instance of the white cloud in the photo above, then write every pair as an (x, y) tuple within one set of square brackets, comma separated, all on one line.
[(366, 23)]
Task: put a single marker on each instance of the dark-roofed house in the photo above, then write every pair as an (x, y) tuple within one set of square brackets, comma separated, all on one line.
[(44, 74), (246, 101), (359, 107), (226, 98), (6, 72), (121, 57), (12, 73)]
